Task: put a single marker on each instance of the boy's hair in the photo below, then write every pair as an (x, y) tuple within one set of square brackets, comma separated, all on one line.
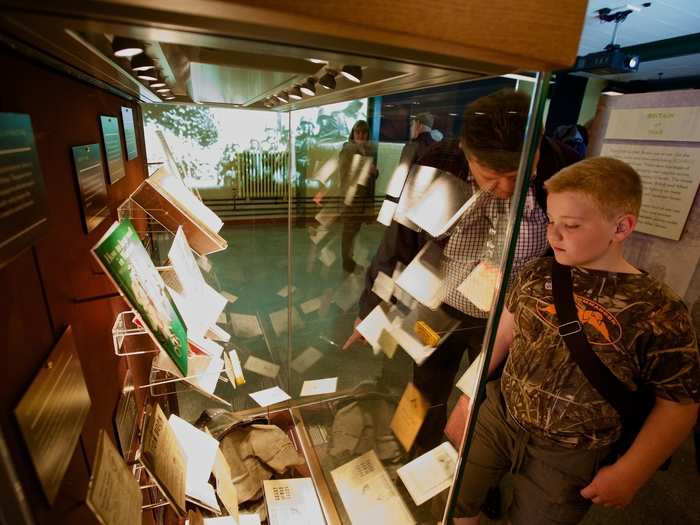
[(494, 128), (614, 185)]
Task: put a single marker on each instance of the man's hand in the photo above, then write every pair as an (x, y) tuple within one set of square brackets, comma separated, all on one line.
[(611, 487), (456, 423), (355, 337)]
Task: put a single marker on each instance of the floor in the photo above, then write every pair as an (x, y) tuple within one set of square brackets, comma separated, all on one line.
[(256, 268)]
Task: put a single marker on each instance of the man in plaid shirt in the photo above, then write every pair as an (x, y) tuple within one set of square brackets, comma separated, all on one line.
[(487, 157)]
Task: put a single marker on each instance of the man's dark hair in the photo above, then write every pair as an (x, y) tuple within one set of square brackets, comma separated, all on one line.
[(494, 128)]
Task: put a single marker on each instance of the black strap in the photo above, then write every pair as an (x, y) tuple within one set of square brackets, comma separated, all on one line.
[(623, 400)]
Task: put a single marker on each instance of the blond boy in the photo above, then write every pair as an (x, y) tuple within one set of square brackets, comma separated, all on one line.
[(543, 421)]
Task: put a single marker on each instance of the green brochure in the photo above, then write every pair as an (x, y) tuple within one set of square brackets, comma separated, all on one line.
[(121, 253)]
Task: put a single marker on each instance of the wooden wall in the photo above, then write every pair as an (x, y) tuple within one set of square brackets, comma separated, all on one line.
[(45, 287)]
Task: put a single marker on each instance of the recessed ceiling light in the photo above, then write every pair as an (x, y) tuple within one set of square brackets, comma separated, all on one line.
[(282, 97), (151, 76), (163, 90), (126, 47), (170, 97), (317, 61), (158, 83), (352, 73), (452, 114), (612, 93)]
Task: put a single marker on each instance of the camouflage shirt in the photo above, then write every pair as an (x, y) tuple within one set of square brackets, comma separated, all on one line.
[(637, 326)]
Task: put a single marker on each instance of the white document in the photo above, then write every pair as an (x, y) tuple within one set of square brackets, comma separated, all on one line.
[(206, 345), (398, 179), (417, 184), (413, 347), (223, 318), (311, 305), (203, 263), (424, 277), (386, 212), (217, 333), (444, 204), (175, 188), (280, 320), (292, 502), (469, 382), (319, 386), (306, 359), (368, 494), (204, 371), (371, 326), (269, 396), (383, 287), (429, 474), (200, 450), (262, 367), (327, 256), (317, 235), (348, 293), (233, 369), (480, 285), (326, 216), (245, 325), (284, 291)]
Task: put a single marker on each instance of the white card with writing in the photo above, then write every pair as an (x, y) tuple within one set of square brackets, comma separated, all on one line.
[(262, 367), (306, 359), (319, 386), (269, 396), (429, 474)]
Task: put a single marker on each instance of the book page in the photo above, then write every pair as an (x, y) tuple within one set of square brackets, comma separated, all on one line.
[(113, 494), (429, 474), (409, 416), (292, 502), (368, 494)]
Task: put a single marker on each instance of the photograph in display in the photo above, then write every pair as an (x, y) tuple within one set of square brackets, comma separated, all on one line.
[(124, 258)]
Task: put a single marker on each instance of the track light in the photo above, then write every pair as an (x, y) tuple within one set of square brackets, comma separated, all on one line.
[(159, 83), (309, 87), (295, 93), (151, 76), (126, 47), (328, 80), (282, 96), (353, 73), (142, 62)]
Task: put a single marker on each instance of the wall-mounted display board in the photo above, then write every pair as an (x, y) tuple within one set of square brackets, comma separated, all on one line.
[(113, 147), (22, 195), (132, 148), (52, 413), (91, 183), (114, 495)]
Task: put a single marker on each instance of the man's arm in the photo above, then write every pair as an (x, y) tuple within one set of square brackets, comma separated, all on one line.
[(504, 338), (664, 430)]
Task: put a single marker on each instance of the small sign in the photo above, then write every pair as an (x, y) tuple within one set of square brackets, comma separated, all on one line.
[(92, 186), (52, 413), (22, 195), (132, 148), (113, 148)]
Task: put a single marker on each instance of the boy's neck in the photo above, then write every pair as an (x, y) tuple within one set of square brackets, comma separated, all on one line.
[(613, 261)]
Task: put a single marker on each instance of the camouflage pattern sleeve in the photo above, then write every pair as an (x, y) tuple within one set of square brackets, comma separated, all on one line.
[(537, 265), (670, 362)]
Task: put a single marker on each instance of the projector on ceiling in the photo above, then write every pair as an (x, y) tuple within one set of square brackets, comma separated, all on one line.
[(608, 62)]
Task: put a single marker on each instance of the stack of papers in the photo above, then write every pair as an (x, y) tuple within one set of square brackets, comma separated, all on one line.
[(292, 502), (429, 474)]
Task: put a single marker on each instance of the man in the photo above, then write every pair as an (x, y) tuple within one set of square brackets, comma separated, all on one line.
[(421, 138), (488, 158)]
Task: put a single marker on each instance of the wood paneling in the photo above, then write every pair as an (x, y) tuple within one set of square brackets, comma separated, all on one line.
[(50, 285)]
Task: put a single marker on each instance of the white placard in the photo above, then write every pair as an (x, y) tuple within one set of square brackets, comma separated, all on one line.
[(670, 176), (386, 212), (679, 124), (311, 305), (269, 396), (245, 325), (306, 360), (262, 367), (319, 386)]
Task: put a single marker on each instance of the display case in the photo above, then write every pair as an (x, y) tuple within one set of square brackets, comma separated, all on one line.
[(321, 228)]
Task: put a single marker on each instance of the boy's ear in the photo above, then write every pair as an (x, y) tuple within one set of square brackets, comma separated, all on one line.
[(625, 226)]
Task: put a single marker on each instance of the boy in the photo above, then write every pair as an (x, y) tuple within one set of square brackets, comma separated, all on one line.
[(544, 422)]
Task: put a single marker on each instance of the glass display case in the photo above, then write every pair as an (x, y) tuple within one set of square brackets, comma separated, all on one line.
[(362, 261)]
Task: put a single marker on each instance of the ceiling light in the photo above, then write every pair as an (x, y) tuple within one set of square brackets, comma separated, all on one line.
[(353, 73), (317, 61), (612, 93), (328, 80), (295, 93), (158, 83), (452, 114), (309, 87), (151, 76), (126, 47), (142, 62), (169, 97), (163, 90), (282, 97)]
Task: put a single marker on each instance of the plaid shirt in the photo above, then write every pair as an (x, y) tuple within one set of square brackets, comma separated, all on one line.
[(480, 237)]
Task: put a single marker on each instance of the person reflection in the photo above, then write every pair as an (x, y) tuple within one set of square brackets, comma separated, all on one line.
[(357, 172)]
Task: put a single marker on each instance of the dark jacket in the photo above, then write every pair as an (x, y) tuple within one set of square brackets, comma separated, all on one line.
[(401, 244)]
